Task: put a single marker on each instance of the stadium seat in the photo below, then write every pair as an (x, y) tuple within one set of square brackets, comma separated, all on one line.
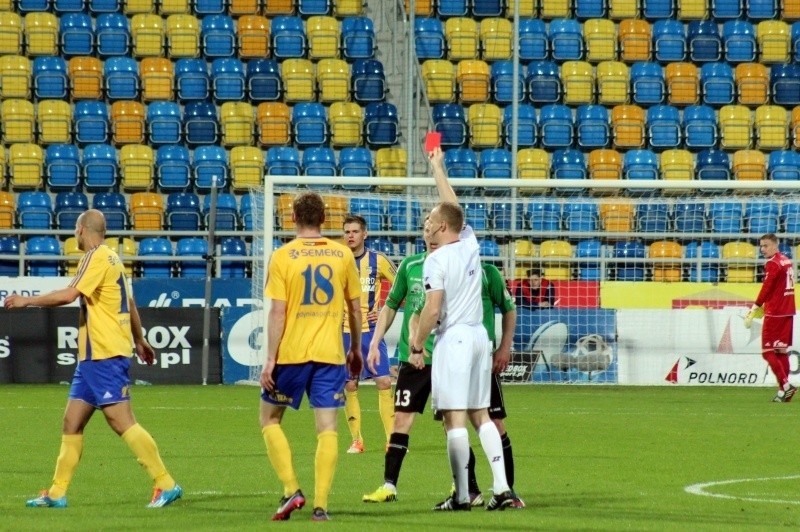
[(43, 245), (462, 163), (63, 167), (585, 9), (617, 217), (192, 81), (749, 165), (663, 127), (543, 82), (174, 7), (555, 126), (368, 81), (10, 33), (623, 9), (677, 165), (246, 167), (200, 123), (113, 35), (713, 165), (526, 130), (73, 255), (739, 40), (783, 165), (577, 78), (543, 216), (27, 6), (476, 215), (391, 162), (429, 41), (795, 127), (147, 35), (790, 10), (233, 247), (194, 248), (628, 126), (381, 124), (771, 128), (18, 121), (507, 216), (237, 124), (727, 9), (586, 249), (358, 38), (423, 8), (568, 164), (735, 124), (34, 210), (604, 164), (552, 250), (41, 34), (629, 271), (15, 77), (552, 9), (647, 83), (683, 84), (533, 41), (68, 207), (790, 217), (740, 259), (717, 83), (228, 80), (323, 35), (485, 123), (288, 38), (581, 216), (273, 124), (127, 123), (440, 81), (314, 7), (218, 37), (372, 210), (449, 120), (99, 167), (246, 212), (692, 10), (147, 211), (640, 165), (502, 82), (472, 81), (761, 217), (77, 35), (158, 247), (246, 7), (122, 78), (785, 84), (669, 41), (158, 79), (253, 37), (264, 81), (351, 8), (310, 125), (132, 7), (463, 39), (752, 84), (8, 210), (635, 40), (612, 83), (86, 78), (136, 167), (704, 41), (173, 169), (699, 269), (663, 270), (283, 161), (25, 166), (699, 127), (49, 77), (495, 164), (355, 162), (345, 123), (403, 214), (653, 218), (227, 215), (496, 36), (592, 127), (182, 36), (164, 123), (210, 166), (600, 36), (319, 162), (300, 83)]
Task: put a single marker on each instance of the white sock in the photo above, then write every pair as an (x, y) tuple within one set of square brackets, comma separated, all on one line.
[(390, 486), (458, 452), (493, 447)]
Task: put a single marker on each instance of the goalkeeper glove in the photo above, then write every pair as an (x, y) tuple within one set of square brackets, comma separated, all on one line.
[(754, 312)]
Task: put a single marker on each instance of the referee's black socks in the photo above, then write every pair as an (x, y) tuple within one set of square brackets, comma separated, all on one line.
[(393, 461)]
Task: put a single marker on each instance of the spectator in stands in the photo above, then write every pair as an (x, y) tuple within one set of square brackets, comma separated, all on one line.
[(535, 292)]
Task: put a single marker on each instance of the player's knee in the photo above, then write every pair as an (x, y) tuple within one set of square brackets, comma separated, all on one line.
[(383, 383), (351, 386)]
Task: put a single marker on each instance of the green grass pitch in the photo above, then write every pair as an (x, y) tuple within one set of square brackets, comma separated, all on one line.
[(587, 457)]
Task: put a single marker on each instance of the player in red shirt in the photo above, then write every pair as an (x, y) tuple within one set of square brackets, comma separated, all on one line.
[(775, 302)]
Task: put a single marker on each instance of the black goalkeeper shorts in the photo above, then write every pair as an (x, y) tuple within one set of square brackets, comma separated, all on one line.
[(412, 389)]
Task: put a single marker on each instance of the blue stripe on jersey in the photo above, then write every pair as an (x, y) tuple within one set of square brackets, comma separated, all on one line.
[(373, 276), (87, 258)]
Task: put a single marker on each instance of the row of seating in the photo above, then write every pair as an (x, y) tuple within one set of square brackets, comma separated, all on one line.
[(733, 127), (341, 8), (186, 36), (595, 40)]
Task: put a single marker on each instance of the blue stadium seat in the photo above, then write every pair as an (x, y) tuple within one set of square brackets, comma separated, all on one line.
[(164, 123), (690, 217), (77, 35), (113, 34), (9, 245), (790, 217), (726, 216), (29, 6), (381, 124), (34, 210), (358, 38), (150, 247), (783, 165), (647, 83), (543, 215), (200, 123), (663, 127), (488, 8), (586, 9), (113, 206), (589, 249), (355, 162), (450, 120), (502, 214), (581, 216), (640, 165), (502, 82), (716, 81), (452, 8), (246, 212), (122, 78), (91, 122), (371, 209), (99, 167), (669, 41), (232, 246), (700, 270), (288, 37), (526, 125), (196, 248), (761, 216), (63, 166), (50, 79), (533, 42), (555, 126), (419, 245), (785, 84), (495, 163), (653, 217), (173, 169), (569, 164), (705, 43), (796, 40), (105, 6), (785, 248), (630, 271), (476, 215), (227, 212), (658, 9), (314, 7), (739, 39), (192, 81), (264, 81), (544, 82), (282, 160), (461, 162), (319, 162), (429, 39), (488, 247), (368, 81), (310, 124), (727, 9), (699, 126), (566, 40), (218, 36), (592, 127), (228, 80), (68, 206), (381, 244), (210, 163), (183, 211), (43, 245), (762, 9), (402, 214), (713, 165), (69, 6)]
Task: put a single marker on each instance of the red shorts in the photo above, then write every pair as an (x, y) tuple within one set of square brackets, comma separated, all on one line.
[(777, 332)]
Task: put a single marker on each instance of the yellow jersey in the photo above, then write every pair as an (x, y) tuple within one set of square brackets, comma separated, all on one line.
[(315, 277), (373, 268), (105, 322)]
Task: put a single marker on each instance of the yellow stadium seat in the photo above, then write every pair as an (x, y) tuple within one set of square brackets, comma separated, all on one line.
[(628, 126), (127, 122), (664, 271), (612, 83), (772, 127), (147, 33), (323, 37), (552, 250), (237, 8), (527, 8), (349, 8), (796, 127), (749, 165), (485, 121), (253, 37), (157, 77), (617, 217), (622, 9), (278, 7), (774, 41), (550, 9), (391, 162), (635, 40), (740, 257), (17, 121), (790, 10), (336, 209), (600, 36), (73, 254), (677, 165), (15, 77), (136, 167), (346, 120), (274, 124), (462, 38), (6, 5), (25, 166), (284, 210), (236, 120), (683, 83), (472, 79), (10, 34), (533, 163), (132, 7), (422, 8), (692, 9), (496, 36), (86, 78), (577, 78), (333, 80), (440, 80), (299, 81), (7, 208), (605, 164), (54, 122), (174, 7), (41, 34), (125, 248), (183, 36), (147, 211), (247, 168), (752, 83), (735, 126), (525, 248)]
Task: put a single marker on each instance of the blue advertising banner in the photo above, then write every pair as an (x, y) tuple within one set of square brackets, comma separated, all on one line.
[(177, 293), (242, 342)]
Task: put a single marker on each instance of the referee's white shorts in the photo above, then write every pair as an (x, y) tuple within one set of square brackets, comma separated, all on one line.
[(462, 369)]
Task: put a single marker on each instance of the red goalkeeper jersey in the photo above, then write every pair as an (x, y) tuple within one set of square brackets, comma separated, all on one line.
[(777, 292)]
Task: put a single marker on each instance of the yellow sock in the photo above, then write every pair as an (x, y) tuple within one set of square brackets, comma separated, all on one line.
[(280, 456), (146, 452), (325, 466), (68, 458), (352, 409), (386, 410)]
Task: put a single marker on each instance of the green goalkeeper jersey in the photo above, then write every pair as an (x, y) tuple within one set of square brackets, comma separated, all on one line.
[(494, 294)]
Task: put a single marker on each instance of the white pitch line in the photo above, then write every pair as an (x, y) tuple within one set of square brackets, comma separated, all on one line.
[(700, 489)]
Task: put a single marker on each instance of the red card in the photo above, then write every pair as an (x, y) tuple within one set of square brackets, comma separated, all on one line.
[(432, 140)]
